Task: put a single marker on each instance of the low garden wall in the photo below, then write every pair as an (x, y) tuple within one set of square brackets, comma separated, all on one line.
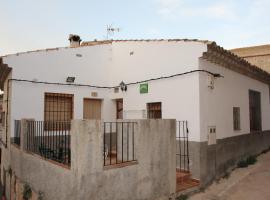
[(150, 176)]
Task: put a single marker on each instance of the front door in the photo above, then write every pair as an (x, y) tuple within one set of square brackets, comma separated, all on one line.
[(92, 109)]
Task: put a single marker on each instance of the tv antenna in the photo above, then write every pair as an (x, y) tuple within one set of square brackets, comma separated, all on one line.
[(111, 30)]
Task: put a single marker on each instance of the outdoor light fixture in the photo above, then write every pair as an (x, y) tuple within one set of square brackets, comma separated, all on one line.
[(123, 86), (217, 75), (70, 79)]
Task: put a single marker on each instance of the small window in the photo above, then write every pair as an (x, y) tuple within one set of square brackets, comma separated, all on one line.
[(154, 110), (119, 109), (2, 118), (236, 118)]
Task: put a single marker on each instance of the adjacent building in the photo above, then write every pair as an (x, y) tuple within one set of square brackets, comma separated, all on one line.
[(256, 55)]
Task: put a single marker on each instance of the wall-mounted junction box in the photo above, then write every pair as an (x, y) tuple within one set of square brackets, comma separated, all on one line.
[(211, 135)]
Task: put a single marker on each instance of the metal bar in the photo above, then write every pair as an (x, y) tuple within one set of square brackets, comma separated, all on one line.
[(127, 141), (133, 140), (116, 135), (187, 143), (110, 143), (179, 144), (184, 145), (122, 143), (104, 143)]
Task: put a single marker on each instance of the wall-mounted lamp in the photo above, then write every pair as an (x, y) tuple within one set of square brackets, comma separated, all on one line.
[(218, 76), (123, 86), (70, 79)]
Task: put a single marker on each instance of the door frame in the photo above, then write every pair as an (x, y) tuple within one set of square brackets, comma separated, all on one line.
[(101, 106)]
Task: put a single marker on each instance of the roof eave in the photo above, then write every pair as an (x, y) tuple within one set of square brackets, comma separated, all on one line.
[(227, 59)]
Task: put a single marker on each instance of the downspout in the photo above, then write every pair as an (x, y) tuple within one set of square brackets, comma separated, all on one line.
[(7, 114)]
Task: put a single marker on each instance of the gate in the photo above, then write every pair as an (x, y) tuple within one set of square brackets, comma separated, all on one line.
[(182, 149)]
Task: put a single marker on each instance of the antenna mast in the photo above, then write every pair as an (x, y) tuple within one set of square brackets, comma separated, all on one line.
[(111, 30)]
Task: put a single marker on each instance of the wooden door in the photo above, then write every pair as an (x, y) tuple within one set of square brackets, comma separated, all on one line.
[(92, 109)]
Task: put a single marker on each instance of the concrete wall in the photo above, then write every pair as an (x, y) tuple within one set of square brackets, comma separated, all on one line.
[(217, 160), (151, 177)]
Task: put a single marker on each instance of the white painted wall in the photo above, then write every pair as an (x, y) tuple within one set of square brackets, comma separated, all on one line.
[(55, 66), (108, 65), (216, 106), (179, 95), (183, 98)]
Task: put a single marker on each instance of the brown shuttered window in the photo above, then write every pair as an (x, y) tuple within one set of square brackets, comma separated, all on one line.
[(255, 111), (57, 108), (154, 110)]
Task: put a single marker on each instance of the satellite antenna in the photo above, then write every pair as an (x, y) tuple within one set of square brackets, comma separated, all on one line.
[(111, 30)]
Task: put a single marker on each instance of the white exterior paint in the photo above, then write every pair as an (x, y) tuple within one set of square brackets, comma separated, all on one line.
[(216, 106), (183, 98)]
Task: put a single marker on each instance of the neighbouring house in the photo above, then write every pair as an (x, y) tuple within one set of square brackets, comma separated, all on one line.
[(218, 104), (256, 55), (2, 115)]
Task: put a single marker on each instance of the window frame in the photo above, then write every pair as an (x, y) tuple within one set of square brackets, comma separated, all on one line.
[(149, 115), (51, 125), (258, 127), (236, 118)]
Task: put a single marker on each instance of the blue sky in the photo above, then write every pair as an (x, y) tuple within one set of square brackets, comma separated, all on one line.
[(37, 24)]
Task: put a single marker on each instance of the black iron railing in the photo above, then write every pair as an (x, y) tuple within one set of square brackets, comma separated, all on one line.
[(182, 148), (119, 142), (50, 140), (17, 133)]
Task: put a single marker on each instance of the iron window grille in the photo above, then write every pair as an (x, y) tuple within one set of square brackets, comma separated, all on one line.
[(154, 110), (57, 108)]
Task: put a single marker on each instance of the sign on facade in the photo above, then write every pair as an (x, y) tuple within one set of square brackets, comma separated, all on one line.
[(144, 88)]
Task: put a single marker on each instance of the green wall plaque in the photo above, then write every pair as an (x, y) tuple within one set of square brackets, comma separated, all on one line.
[(144, 88)]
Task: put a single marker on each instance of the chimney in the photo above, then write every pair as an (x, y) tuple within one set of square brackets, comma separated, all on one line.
[(74, 40)]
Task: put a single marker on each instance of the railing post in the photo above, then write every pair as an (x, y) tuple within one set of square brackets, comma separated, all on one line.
[(24, 135)]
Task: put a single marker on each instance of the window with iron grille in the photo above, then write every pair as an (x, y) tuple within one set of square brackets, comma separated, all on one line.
[(236, 118), (58, 108), (255, 110), (154, 110), (2, 121)]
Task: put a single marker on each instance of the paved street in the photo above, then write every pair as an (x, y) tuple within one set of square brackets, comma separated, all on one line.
[(252, 183)]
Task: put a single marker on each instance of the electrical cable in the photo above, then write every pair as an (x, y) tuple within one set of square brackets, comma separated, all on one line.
[(112, 87)]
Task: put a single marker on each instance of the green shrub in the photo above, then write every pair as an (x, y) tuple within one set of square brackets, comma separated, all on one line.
[(226, 175), (27, 192), (251, 160), (182, 197), (242, 164)]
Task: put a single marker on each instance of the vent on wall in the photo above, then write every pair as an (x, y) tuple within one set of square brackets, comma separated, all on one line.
[(116, 90)]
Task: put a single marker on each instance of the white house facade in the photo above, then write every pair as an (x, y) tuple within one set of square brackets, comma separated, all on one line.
[(223, 98)]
